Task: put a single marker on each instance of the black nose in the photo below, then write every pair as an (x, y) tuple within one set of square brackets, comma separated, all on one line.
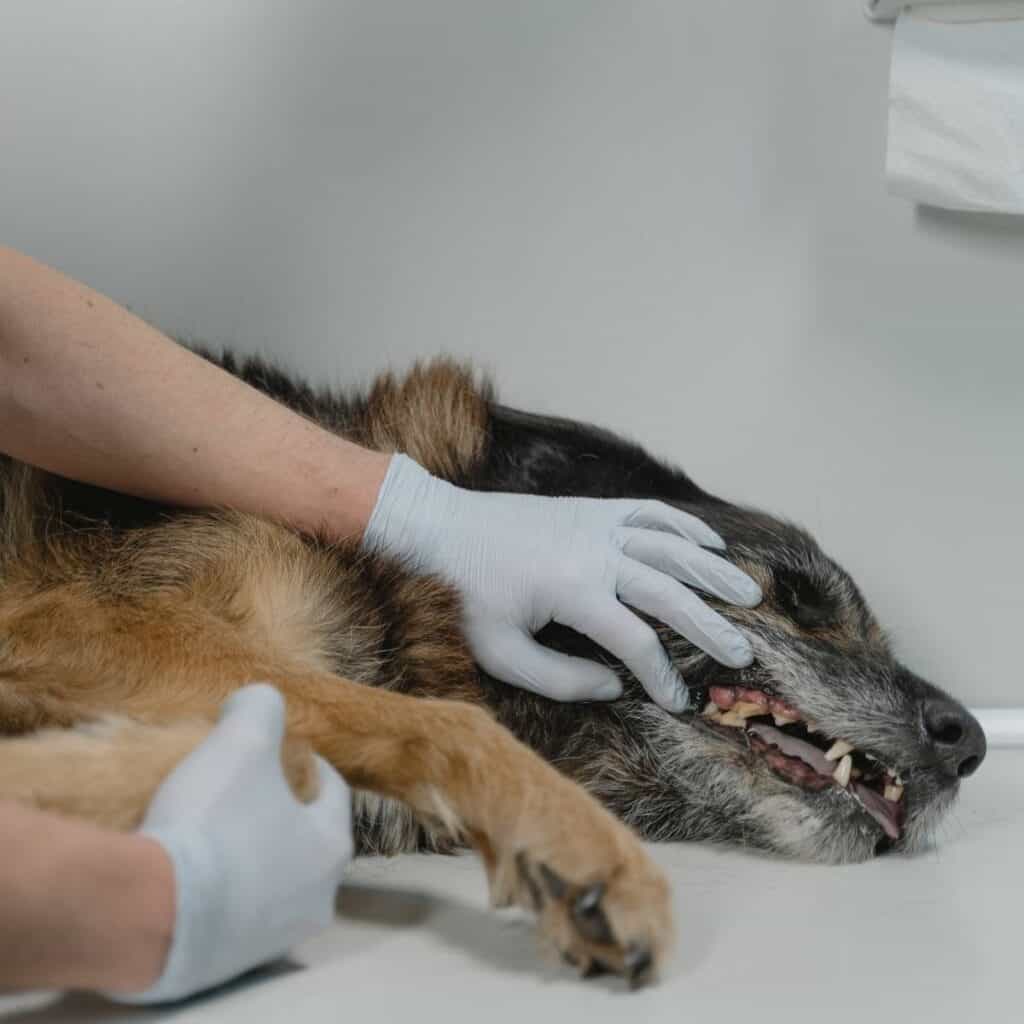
[(956, 736)]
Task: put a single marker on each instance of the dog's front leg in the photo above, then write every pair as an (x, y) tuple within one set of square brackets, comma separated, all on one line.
[(546, 843)]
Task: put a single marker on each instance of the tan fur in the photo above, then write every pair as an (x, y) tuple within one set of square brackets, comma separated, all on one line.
[(436, 414), (107, 771)]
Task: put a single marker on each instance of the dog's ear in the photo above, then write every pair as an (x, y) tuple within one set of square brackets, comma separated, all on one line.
[(548, 455)]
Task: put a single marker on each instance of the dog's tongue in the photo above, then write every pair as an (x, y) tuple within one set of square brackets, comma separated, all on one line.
[(792, 746), (885, 812)]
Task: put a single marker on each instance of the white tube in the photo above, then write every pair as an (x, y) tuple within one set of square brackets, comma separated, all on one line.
[(1004, 727)]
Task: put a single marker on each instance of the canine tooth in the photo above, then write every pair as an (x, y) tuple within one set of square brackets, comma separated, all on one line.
[(733, 719), (712, 711), (785, 719), (893, 793), (842, 772), (838, 749), (747, 709), (811, 726)]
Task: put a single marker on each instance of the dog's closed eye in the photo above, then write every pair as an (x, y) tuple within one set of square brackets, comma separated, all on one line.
[(803, 600)]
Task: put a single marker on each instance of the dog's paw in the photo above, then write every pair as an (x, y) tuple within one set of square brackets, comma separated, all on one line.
[(600, 900)]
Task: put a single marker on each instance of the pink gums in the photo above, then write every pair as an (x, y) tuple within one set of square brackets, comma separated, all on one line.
[(726, 696)]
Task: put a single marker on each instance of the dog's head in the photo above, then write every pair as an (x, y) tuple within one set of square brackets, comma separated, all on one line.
[(826, 747)]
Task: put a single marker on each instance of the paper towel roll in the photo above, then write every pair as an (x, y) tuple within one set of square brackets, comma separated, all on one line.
[(956, 107)]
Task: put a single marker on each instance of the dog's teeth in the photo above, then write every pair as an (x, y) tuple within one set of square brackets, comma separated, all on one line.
[(811, 726), (893, 793), (733, 719), (747, 709), (842, 772), (785, 719), (839, 749), (712, 711)]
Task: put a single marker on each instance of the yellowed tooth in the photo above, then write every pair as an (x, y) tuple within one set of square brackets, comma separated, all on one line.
[(811, 726), (785, 719), (838, 749), (731, 718), (747, 709), (842, 772), (712, 711), (893, 793), (856, 773)]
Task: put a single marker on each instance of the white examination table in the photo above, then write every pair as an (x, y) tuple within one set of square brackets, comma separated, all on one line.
[(935, 938)]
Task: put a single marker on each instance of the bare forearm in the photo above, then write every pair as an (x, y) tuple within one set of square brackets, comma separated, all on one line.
[(90, 391), (82, 907)]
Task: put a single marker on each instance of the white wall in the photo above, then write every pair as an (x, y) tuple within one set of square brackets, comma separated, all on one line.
[(668, 217)]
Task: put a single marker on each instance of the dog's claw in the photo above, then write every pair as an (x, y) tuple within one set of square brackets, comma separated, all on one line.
[(525, 876), (593, 920), (589, 918), (637, 964), (556, 886), (588, 900)]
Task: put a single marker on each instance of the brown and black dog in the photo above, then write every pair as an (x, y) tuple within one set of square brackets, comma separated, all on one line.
[(125, 624)]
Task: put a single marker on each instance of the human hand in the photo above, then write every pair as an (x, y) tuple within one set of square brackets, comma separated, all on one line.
[(522, 561), (255, 870)]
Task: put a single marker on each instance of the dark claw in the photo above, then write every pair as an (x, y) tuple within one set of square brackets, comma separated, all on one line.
[(556, 886), (588, 900), (637, 964), (536, 896), (589, 917), (596, 968)]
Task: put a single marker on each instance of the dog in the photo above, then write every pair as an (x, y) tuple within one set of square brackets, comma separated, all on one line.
[(124, 624)]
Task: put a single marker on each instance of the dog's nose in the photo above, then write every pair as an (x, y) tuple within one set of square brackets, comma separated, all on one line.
[(956, 736)]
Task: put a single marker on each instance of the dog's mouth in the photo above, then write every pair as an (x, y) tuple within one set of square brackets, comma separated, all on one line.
[(798, 751)]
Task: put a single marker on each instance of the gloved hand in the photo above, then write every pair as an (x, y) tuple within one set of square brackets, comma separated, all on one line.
[(255, 870), (522, 561)]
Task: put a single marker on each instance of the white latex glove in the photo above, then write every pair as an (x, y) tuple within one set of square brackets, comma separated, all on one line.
[(255, 869), (522, 561)]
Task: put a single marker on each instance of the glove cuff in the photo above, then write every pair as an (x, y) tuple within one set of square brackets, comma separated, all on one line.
[(411, 502)]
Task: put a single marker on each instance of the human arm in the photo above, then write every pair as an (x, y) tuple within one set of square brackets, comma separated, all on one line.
[(83, 907), (91, 392)]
